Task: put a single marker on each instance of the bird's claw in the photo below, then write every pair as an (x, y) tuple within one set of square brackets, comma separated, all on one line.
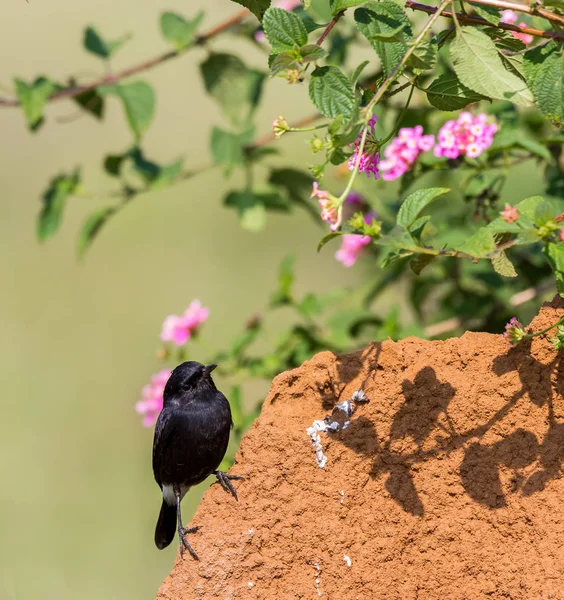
[(225, 482), (182, 532)]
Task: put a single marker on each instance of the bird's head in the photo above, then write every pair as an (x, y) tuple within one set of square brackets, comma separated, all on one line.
[(188, 376)]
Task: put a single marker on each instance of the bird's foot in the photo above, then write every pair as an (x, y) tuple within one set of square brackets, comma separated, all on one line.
[(182, 533), (225, 481)]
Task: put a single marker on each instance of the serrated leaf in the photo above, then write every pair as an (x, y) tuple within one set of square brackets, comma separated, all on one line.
[(448, 93), (283, 62), (92, 227), (424, 57), (380, 18), (503, 266), (228, 149), (235, 87), (548, 84), (284, 30), (358, 72), (331, 92), (138, 99), (312, 53), (339, 5), (478, 245), (328, 238), (554, 252), (178, 31), (94, 43), (477, 63), (415, 203), (33, 98), (490, 13), (55, 197)]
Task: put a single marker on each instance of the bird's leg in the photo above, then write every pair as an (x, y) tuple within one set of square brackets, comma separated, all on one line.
[(182, 532), (225, 481)]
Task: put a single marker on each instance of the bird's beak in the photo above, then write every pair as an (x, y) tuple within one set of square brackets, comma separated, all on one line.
[(209, 369)]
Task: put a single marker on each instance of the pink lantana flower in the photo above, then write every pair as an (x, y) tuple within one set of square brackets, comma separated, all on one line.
[(329, 209), (514, 332), (510, 214), (352, 246), (468, 136), (510, 17), (151, 403), (179, 329), (403, 151), (562, 234), (370, 153)]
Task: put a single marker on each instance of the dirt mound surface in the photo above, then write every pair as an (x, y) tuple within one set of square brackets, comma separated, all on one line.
[(447, 483)]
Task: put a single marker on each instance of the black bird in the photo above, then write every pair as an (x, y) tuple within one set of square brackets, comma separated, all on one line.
[(191, 437)]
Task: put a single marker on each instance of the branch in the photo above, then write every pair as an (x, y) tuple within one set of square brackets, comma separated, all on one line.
[(327, 30), (139, 68), (475, 20), (524, 8)]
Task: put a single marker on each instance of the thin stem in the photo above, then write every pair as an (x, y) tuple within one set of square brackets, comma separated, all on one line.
[(475, 20), (329, 27), (356, 164), (537, 333), (400, 118), (143, 66), (524, 8), (312, 128)]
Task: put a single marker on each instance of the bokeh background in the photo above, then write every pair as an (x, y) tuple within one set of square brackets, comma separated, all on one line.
[(77, 341)]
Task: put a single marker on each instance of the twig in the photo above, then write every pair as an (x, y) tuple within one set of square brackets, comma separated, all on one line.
[(329, 27), (475, 20), (524, 8), (143, 66)]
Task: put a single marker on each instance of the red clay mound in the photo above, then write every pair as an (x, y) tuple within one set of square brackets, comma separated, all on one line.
[(446, 484)]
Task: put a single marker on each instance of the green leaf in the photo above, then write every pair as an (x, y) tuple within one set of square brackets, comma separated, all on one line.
[(358, 72), (378, 19), (478, 66), (479, 245), (235, 87), (94, 43), (55, 197), (252, 212), (92, 227), (33, 98), (283, 62), (328, 238), (331, 92), (338, 5), (419, 262), (424, 57), (257, 7), (284, 30), (545, 74), (286, 277), (138, 99), (228, 149), (448, 93), (178, 31), (503, 266), (91, 102), (415, 203), (554, 252), (489, 13), (312, 53)]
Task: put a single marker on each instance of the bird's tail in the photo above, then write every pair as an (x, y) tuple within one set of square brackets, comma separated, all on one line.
[(166, 526)]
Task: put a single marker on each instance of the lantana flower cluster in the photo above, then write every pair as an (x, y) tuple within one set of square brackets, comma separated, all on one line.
[(403, 151), (370, 156), (177, 329), (469, 135), (514, 332)]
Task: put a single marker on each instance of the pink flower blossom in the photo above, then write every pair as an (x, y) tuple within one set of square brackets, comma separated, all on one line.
[(562, 234), (370, 154), (355, 198), (510, 17), (403, 151), (329, 211), (469, 135), (351, 248), (510, 214), (514, 332), (152, 398), (179, 329)]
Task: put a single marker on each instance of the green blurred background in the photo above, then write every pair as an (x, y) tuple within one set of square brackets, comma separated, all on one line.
[(78, 502)]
